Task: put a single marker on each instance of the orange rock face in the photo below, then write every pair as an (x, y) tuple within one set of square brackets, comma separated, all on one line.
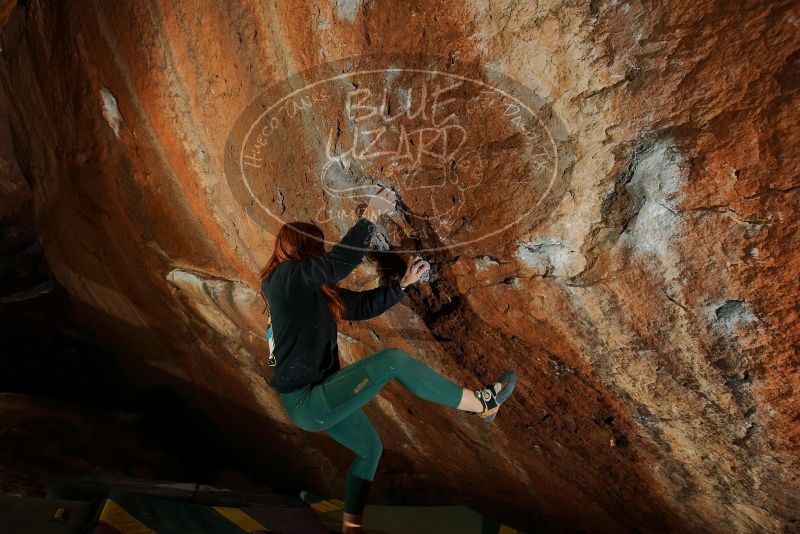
[(607, 193)]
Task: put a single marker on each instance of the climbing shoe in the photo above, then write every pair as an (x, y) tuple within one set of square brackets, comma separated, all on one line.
[(495, 394)]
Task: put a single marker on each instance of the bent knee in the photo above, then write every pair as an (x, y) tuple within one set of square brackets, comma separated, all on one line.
[(376, 448), (398, 355), (371, 448)]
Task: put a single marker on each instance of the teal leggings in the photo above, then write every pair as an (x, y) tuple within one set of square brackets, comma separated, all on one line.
[(335, 407)]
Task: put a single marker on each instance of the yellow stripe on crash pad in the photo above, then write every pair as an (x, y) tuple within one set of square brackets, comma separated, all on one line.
[(505, 529), (119, 518), (323, 506), (328, 506), (240, 519)]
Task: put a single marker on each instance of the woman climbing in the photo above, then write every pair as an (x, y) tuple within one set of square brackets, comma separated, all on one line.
[(299, 282)]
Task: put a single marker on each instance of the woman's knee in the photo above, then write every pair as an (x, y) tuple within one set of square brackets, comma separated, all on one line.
[(375, 447), (386, 364), (368, 455), (398, 356), (374, 451)]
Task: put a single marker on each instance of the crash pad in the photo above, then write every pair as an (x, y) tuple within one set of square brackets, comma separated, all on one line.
[(127, 513), (379, 519)]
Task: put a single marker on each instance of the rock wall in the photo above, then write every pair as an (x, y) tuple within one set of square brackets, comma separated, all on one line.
[(648, 305), (22, 274)]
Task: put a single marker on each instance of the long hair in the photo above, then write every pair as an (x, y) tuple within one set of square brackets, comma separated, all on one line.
[(301, 241)]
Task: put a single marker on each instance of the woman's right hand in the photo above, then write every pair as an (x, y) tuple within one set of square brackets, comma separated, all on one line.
[(381, 202), (416, 269)]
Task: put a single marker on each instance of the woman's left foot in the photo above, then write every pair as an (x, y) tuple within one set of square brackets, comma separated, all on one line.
[(349, 528), (495, 394), (352, 523)]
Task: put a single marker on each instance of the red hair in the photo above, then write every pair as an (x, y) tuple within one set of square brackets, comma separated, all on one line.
[(300, 241)]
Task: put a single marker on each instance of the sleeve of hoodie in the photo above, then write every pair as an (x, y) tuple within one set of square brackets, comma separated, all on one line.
[(361, 305), (334, 265)]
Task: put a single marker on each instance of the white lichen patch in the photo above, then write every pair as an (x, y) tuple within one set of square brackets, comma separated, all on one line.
[(728, 315), (347, 9), (550, 256), (655, 226), (111, 110), (656, 182), (484, 263)]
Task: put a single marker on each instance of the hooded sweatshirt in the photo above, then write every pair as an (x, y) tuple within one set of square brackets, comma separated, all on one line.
[(304, 330)]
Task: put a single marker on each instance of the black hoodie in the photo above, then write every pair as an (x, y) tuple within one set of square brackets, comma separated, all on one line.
[(303, 327)]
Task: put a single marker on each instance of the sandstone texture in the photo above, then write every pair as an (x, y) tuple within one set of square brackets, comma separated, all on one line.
[(630, 251), (22, 273)]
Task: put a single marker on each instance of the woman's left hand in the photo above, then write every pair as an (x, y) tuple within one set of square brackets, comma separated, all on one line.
[(416, 268)]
